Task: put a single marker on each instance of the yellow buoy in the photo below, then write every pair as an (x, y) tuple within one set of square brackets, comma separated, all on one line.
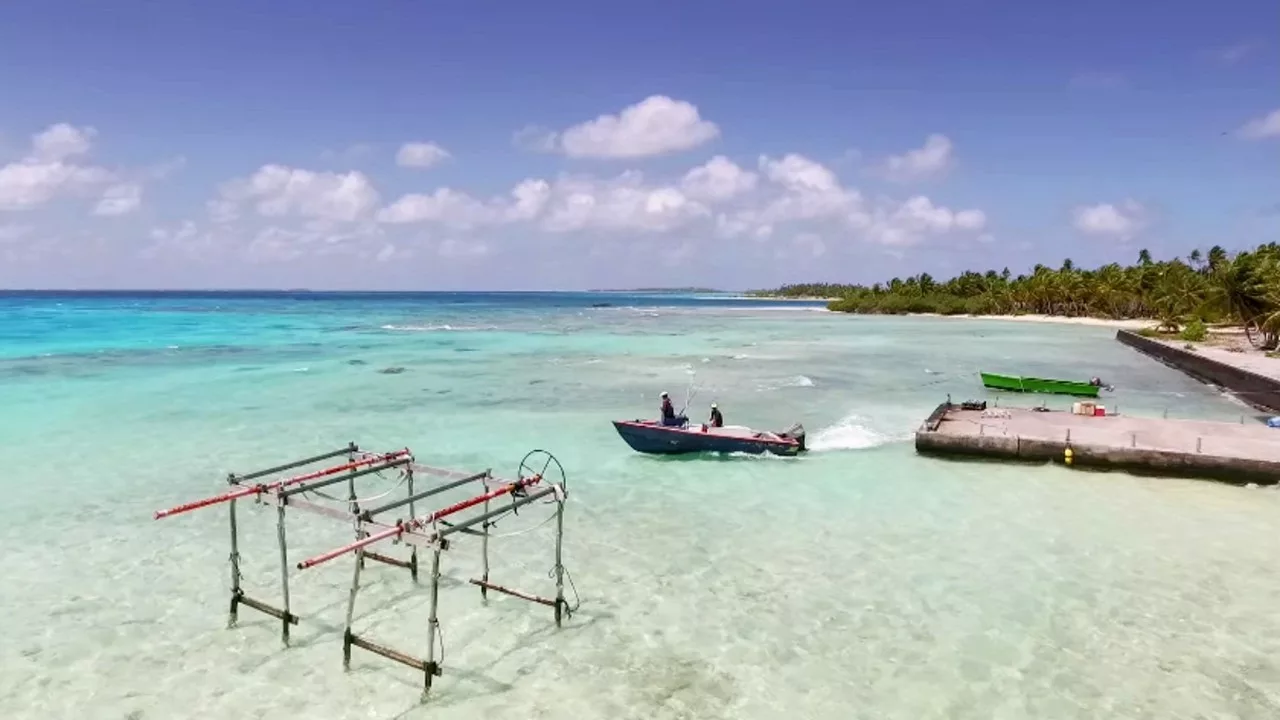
[(1066, 455)]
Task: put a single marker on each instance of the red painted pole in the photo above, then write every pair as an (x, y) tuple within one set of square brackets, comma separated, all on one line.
[(415, 524), (256, 489)]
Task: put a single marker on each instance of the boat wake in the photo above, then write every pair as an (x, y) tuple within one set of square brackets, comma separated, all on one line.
[(850, 433), (795, 381), (439, 328)]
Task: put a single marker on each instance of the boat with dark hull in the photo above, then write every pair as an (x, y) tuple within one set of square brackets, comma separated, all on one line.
[(651, 436)]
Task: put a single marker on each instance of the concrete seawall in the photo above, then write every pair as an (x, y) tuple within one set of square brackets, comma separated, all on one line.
[(1258, 390), (1210, 450)]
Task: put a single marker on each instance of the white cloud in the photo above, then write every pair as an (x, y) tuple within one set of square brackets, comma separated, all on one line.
[(445, 205), (421, 155), (799, 174), (276, 190), (61, 141), (719, 179), (531, 197), (932, 159), (908, 223), (28, 183), (119, 200), (811, 193), (793, 200), (1267, 126), (1121, 222), (570, 204), (45, 173), (656, 125), (971, 219), (624, 203), (810, 190)]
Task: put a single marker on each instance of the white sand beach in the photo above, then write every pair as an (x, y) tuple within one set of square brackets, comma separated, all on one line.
[(1130, 324)]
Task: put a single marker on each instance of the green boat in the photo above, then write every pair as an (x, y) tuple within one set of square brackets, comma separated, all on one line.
[(1039, 385)]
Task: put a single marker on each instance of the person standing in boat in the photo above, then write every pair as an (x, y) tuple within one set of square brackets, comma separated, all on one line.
[(669, 417), (717, 420)]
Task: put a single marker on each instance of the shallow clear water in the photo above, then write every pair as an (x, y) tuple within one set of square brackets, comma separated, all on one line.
[(859, 581)]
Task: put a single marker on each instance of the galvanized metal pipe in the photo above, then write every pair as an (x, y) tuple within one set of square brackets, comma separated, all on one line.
[(290, 492), (368, 514), (235, 568), (413, 549), (484, 554), (559, 557), (351, 609), (481, 518), (284, 571), (350, 448), (433, 622)]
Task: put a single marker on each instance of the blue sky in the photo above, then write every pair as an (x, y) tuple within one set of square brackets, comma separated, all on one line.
[(571, 144)]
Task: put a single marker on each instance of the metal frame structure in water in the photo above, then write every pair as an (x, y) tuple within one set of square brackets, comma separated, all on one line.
[(431, 532)]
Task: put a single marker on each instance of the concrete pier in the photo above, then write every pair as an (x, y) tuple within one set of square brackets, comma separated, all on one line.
[(1229, 452), (1254, 378)]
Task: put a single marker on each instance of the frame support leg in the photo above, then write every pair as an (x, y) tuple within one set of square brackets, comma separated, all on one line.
[(413, 512), (284, 574), (561, 606), (347, 635), (432, 668), (484, 554), (234, 614)]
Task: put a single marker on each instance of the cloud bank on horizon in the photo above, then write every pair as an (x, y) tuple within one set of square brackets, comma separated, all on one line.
[(655, 190)]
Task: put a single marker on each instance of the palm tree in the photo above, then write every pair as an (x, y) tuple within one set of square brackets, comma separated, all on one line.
[(1241, 288), (1195, 259), (1217, 256), (1214, 286)]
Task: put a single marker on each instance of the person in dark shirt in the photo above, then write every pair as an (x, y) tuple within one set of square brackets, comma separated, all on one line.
[(717, 420), (669, 416)]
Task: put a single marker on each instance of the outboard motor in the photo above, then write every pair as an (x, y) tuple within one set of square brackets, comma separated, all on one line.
[(795, 432)]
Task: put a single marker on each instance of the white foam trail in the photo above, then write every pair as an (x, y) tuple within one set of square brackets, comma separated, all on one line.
[(850, 433), (791, 382), (438, 328)]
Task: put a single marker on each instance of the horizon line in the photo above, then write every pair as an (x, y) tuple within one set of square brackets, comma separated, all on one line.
[(382, 291)]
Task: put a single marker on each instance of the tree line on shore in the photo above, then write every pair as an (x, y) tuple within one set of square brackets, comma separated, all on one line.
[(1211, 287)]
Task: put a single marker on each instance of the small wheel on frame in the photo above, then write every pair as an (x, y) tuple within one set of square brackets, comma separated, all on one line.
[(543, 465)]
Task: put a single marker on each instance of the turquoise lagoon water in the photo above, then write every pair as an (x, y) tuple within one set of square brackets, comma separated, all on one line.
[(860, 581)]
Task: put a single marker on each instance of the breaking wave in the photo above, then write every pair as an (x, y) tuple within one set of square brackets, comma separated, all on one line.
[(849, 433)]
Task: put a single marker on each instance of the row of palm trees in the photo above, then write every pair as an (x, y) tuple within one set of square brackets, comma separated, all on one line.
[(1213, 287)]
